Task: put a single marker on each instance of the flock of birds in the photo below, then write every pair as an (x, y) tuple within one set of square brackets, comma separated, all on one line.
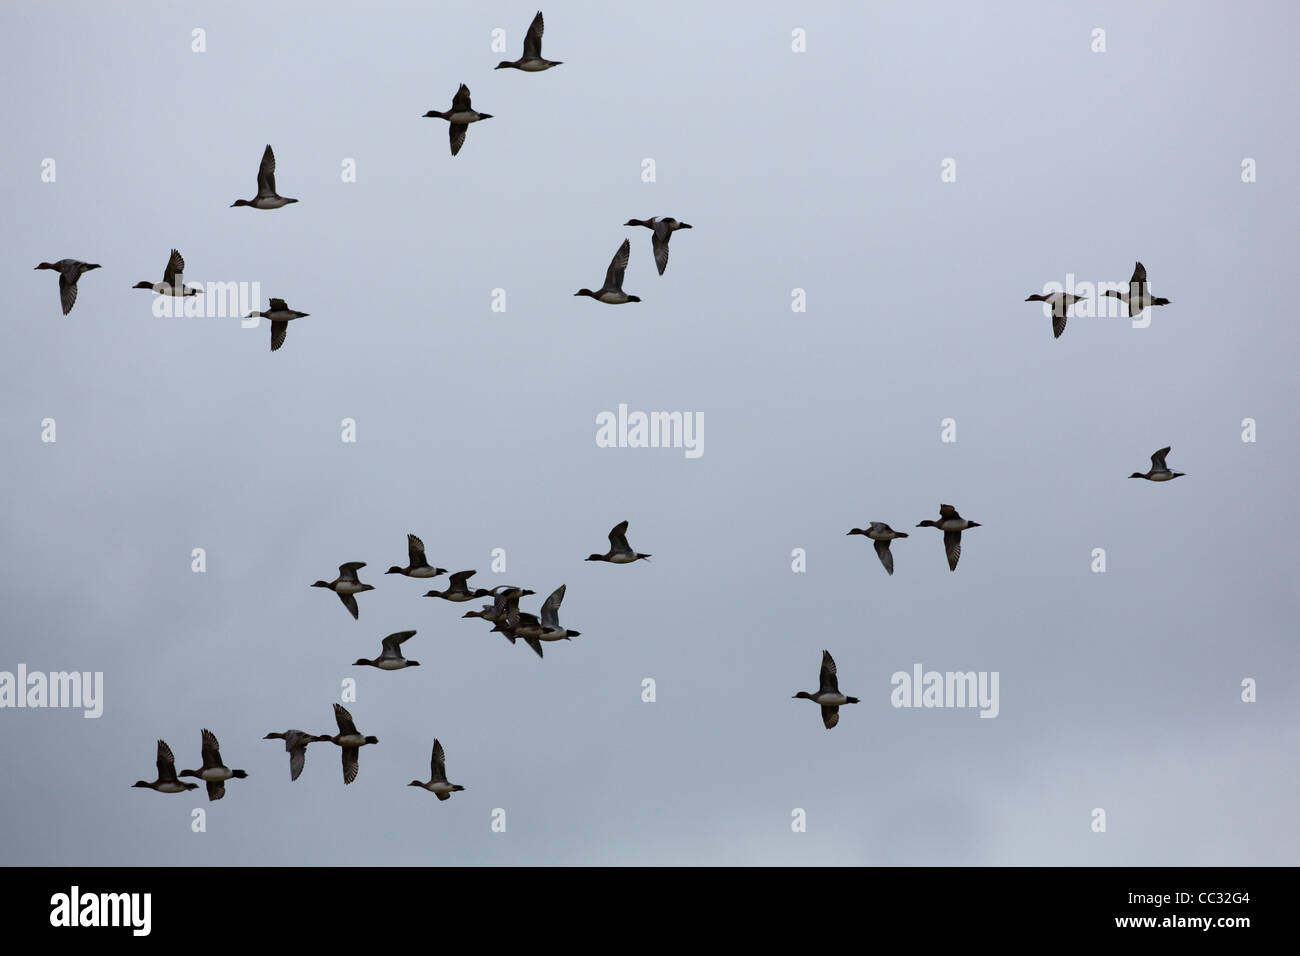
[(952, 525), (459, 117), (503, 613)]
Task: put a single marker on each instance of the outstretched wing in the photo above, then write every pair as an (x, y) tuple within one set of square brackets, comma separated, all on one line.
[(266, 174), (166, 763), (393, 643), (533, 38), (952, 545), (886, 556), (344, 720), (828, 678), (551, 609), (618, 266), (415, 552), (175, 267), (438, 765)]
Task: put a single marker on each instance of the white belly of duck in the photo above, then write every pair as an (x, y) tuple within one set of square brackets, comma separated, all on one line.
[(831, 700)]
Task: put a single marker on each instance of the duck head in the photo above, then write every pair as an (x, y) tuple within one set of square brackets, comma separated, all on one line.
[(579, 292), (802, 694)]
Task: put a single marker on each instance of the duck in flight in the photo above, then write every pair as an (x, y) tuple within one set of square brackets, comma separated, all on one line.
[(1159, 470), (438, 784), (213, 771), (1060, 303), (611, 293), (69, 270), (417, 566), (279, 315), (1138, 295), (661, 231), (390, 658), (347, 586), (952, 525), (350, 741), (459, 116), (881, 534), (458, 590), (295, 742), (172, 283), (532, 60), (267, 197), (167, 781), (828, 695), (620, 552)]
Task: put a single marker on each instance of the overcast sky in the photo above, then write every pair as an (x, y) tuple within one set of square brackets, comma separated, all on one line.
[(476, 429)]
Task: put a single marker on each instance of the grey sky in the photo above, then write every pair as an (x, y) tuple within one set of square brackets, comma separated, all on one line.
[(476, 430)]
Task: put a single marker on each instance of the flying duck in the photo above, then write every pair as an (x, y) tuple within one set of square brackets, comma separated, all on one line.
[(438, 769), (417, 565), (390, 658), (295, 742), (611, 293), (619, 551), (662, 230), (267, 197), (829, 695), (213, 771), (350, 741), (952, 525), (458, 590), (460, 116), (172, 283), (881, 534), (280, 315), (531, 61), (167, 781), (69, 271), (1159, 470), (1138, 296), (347, 586), (1060, 303)]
